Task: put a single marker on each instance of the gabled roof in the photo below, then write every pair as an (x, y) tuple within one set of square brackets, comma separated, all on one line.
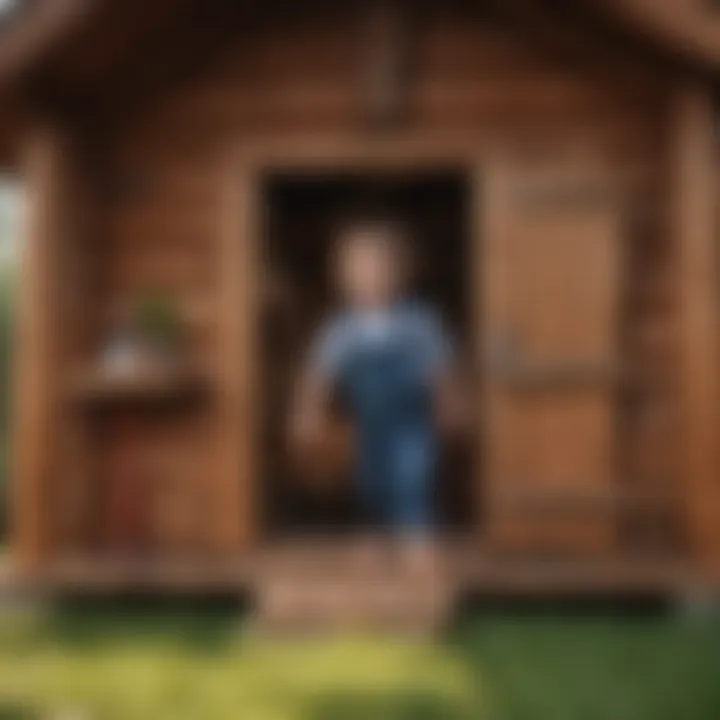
[(38, 32), (689, 28), (27, 34), (52, 43), (75, 46)]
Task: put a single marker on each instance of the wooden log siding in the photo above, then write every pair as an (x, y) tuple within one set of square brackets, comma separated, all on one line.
[(694, 170), (471, 80), (175, 220), (171, 217)]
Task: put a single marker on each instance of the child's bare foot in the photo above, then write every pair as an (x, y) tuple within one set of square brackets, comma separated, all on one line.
[(418, 555), (371, 550)]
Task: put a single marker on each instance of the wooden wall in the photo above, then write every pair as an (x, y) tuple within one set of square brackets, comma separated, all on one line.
[(50, 445), (295, 74), (696, 221)]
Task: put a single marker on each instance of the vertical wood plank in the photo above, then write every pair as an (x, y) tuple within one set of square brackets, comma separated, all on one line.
[(550, 304), (384, 63), (74, 488), (234, 499), (38, 323), (695, 226), (493, 300), (476, 298)]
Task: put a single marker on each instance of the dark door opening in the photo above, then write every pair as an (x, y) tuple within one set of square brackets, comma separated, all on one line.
[(301, 212)]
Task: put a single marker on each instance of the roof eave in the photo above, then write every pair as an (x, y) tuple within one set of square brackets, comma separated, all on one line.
[(37, 33), (675, 27)]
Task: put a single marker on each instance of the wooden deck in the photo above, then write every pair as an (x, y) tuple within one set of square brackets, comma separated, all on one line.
[(469, 568), (320, 586)]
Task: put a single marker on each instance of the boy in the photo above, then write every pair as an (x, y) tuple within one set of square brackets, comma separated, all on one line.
[(389, 359)]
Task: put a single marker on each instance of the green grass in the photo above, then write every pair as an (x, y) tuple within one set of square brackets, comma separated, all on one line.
[(598, 668), (121, 662)]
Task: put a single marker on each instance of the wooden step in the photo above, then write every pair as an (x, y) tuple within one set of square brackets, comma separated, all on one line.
[(335, 596)]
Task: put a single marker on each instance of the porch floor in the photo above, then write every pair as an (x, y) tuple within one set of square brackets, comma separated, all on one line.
[(467, 565)]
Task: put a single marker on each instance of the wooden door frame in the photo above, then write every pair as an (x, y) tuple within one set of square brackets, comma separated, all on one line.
[(240, 239)]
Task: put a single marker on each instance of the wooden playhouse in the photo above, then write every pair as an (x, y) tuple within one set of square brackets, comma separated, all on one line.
[(558, 163)]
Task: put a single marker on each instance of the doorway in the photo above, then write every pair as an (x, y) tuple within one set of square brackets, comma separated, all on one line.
[(300, 215)]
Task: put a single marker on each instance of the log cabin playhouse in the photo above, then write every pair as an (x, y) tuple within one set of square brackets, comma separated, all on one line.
[(558, 163)]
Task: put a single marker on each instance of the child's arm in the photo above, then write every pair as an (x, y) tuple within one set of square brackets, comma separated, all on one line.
[(314, 387), (309, 407)]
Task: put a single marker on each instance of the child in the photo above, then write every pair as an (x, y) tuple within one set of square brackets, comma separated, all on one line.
[(388, 357)]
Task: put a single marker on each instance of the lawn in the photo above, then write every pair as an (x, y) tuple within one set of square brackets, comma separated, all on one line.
[(148, 662)]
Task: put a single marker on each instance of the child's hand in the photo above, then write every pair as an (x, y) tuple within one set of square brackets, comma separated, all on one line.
[(307, 413), (306, 427)]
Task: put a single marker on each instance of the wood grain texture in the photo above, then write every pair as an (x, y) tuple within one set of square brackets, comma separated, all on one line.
[(551, 273), (35, 435), (180, 208), (287, 97), (36, 32), (695, 214), (238, 363), (682, 26)]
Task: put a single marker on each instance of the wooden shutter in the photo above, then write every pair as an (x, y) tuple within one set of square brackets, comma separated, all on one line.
[(551, 269)]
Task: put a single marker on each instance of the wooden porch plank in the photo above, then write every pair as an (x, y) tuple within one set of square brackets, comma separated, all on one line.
[(465, 565)]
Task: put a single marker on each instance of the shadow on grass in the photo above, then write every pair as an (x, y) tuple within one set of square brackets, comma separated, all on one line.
[(505, 662), (10, 711), (195, 625)]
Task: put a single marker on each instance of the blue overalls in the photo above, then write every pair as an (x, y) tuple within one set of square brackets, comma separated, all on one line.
[(388, 393)]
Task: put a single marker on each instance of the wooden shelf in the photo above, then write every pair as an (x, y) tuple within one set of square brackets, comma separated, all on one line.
[(97, 388)]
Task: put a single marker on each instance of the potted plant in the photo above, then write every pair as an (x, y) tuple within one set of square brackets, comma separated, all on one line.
[(159, 325)]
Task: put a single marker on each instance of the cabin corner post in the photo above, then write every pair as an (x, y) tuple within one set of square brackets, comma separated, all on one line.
[(235, 526), (695, 236), (38, 325)]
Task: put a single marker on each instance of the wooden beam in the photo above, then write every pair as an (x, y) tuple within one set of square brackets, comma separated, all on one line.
[(176, 52), (384, 62), (575, 36), (236, 473), (689, 29), (35, 33), (694, 170), (45, 155)]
